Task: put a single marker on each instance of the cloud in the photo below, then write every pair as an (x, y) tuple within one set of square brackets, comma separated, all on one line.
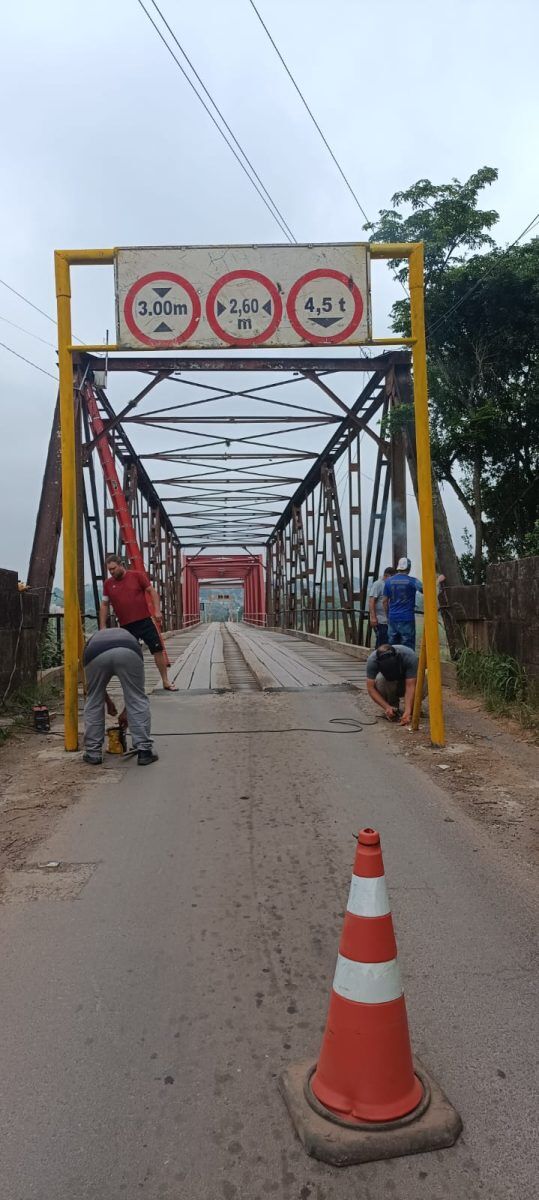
[(105, 144)]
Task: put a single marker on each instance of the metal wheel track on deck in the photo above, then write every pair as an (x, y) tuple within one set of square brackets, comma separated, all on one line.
[(240, 676)]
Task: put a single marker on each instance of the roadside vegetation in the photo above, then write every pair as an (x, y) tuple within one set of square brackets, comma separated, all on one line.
[(482, 316), (502, 683), (50, 652), (16, 710)]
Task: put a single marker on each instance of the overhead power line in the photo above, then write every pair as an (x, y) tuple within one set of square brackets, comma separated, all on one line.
[(27, 301), (34, 306), (28, 332), (223, 119), (344, 177), (312, 116), (29, 361), (253, 178)]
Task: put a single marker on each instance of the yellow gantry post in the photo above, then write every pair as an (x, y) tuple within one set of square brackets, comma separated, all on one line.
[(69, 502), (413, 251), (424, 495), (63, 260)]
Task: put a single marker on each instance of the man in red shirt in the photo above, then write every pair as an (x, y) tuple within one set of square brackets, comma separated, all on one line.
[(134, 601)]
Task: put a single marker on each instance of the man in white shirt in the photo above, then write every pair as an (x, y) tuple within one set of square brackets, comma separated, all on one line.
[(377, 612)]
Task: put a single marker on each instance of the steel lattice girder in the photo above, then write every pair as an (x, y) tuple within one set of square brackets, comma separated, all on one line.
[(209, 515), (325, 588), (157, 539), (317, 572), (209, 568), (242, 479)]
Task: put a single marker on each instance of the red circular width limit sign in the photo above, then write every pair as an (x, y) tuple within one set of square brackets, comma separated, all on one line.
[(324, 307), (244, 308), (162, 309)]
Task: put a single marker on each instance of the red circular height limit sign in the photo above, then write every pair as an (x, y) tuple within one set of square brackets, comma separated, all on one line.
[(244, 308), (324, 300), (162, 309)]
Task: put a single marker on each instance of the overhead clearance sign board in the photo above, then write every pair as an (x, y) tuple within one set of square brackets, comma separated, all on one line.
[(218, 297)]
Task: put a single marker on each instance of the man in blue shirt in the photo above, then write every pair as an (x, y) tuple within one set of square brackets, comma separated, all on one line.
[(399, 602)]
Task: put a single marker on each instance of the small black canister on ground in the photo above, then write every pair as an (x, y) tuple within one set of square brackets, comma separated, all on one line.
[(42, 720)]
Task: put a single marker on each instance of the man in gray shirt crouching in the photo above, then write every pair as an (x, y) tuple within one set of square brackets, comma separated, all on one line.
[(115, 652), (391, 676)]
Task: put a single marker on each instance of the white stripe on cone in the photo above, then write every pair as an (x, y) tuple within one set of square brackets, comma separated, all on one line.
[(367, 983), (368, 897)]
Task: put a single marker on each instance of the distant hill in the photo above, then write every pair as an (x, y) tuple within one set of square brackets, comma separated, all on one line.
[(219, 609), (57, 599)]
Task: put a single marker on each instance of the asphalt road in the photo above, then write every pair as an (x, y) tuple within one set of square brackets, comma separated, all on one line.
[(146, 1015)]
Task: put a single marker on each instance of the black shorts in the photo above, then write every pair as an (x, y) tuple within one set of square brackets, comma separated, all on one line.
[(145, 631)]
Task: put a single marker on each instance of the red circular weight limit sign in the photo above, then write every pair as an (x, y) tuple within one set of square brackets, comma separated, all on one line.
[(224, 334), (170, 277), (306, 334)]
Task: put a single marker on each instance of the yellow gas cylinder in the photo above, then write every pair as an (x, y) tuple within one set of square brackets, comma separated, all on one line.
[(116, 739)]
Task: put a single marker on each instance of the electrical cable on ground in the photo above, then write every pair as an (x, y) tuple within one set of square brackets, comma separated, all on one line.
[(270, 204), (356, 727)]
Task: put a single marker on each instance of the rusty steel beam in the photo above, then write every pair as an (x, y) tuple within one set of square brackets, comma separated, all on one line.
[(224, 542), (156, 536), (92, 523), (79, 484), (126, 452), (346, 432), (154, 365), (360, 425), (446, 555), (44, 551), (376, 530), (192, 457), (111, 424), (235, 476), (154, 417), (397, 457), (325, 589), (339, 555)]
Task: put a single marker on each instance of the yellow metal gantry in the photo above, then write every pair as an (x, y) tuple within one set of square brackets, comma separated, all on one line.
[(413, 251), (63, 261)]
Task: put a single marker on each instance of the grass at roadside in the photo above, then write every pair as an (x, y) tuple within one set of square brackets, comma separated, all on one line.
[(16, 711), (503, 684)]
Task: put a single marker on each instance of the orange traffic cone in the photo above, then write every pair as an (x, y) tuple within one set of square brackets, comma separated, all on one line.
[(365, 1068), (365, 1098)]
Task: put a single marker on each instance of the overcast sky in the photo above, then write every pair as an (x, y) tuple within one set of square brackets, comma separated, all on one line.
[(104, 144)]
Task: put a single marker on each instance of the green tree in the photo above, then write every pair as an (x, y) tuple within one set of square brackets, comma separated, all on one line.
[(482, 314), (531, 542)]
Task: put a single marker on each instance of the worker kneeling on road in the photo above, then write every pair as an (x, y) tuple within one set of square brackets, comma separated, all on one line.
[(116, 652), (391, 676)]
